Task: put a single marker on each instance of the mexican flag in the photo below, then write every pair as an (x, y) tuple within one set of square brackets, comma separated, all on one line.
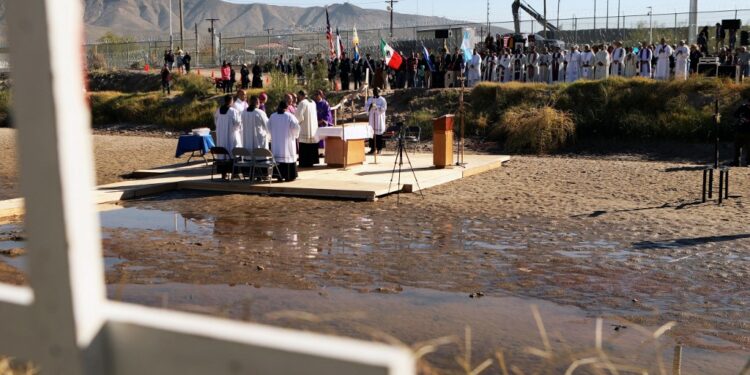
[(392, 58)]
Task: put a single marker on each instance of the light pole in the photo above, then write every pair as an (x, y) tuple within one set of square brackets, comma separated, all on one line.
[(212, 30), (618, 15), (182, 28), (607, 21), (269, 44), (390, 9), (594, 14), (558, 13), (651, 25), (171, 36)]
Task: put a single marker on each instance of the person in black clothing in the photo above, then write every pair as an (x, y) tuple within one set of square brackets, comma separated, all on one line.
[(299, 70), (721, 34), (344, 69), (245, 76), (257, 76), (742, 134), (695, 56), (166, 78), (232, 78), (332, 69), (357, 70), (186, 61), (703, 40)]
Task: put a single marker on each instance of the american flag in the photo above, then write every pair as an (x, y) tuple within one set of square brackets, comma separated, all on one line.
[(329, 36)]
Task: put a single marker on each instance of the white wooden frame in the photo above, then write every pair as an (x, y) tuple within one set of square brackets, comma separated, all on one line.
[(63, 322)]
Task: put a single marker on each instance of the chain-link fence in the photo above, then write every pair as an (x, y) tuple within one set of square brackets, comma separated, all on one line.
[(266, 47)]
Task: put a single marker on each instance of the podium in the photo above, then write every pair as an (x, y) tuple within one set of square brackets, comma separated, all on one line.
[(442, 141), (345, 145)]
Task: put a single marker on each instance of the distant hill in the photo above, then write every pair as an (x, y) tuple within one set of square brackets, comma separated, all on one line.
[(150, 18)]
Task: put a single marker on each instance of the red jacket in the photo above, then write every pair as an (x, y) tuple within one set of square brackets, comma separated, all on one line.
[(225, 71)]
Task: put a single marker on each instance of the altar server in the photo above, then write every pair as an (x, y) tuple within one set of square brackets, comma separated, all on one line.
[(254, 126), (556, 69), (645, 55), (630, 66), (240, 101), (681, 61), (573, 65), (284, 129), (228, 125), (376, 107), (307, 115), (532, 66), (663, 53)]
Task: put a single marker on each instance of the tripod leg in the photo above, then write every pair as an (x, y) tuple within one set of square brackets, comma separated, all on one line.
[(415, 174)]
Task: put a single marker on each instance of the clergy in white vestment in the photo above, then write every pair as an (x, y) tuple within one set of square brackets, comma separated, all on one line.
[(663, 53), (573, 65), (532, 65), (618, 60), (630, 65), (307, 115), (587, 63), (376, 107), (504, 71), (240, 101), (518, 65), (681, 61), (545, 61), (284, 129), (228, 126), (254, 126), (601, 63), (645, 56), (475, 69), (557, 63)]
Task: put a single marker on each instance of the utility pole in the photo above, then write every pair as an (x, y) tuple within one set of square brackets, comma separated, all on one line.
[(182, 28), (269, 44), (651, 25), (171, 36), (545, 20), (390, 9), (607, 22), (618, 15), (693, 27), (212, 30), (197, 52), (488, 18), (558, 14), (594, 14)]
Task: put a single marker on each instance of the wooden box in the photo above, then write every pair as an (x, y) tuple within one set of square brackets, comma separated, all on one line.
[(442, 141), (340, 154)]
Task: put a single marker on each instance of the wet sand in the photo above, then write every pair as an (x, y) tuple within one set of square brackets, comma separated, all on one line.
[(623, 239)]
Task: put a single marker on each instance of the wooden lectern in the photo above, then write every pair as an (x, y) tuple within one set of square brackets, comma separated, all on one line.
[(442, 141)]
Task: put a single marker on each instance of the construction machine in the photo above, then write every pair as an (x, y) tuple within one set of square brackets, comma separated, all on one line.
[(548, 39)]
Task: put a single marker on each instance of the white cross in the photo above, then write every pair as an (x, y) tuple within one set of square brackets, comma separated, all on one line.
[(63, 322)]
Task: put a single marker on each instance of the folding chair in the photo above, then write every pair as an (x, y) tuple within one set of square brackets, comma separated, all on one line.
[(413, 135), (263, 158), (243, 158), (221, 161)]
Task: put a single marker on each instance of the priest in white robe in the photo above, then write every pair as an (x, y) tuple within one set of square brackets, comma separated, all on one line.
[(532, 66), (505, 64), (573, 65), (645, 56), (663, 53), (475, 69), (307, 115), (228, 125), (255, 126), (240, 101), (376, 107), (601, 63), (618, 60), (557, 64), (587, 63), (545, 61), (630, 67), (681, 61), (284, 129), (518, 65)]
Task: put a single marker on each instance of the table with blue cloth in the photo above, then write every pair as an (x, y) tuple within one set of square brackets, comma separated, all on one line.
[(200, 144)]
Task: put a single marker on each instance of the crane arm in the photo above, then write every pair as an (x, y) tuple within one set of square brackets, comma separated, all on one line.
[(518, 4)]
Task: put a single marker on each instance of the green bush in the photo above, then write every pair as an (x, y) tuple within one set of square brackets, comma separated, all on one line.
[(177, 113), (194, 86), (539, 130), (5, 119), (280, 85)]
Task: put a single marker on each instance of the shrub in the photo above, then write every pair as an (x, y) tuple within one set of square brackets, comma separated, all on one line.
[(539, 130), (97, 61), (280, 85), (194, 86), (5, 119)]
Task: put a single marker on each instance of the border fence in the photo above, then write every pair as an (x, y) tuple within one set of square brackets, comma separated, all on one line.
[(265, 47)]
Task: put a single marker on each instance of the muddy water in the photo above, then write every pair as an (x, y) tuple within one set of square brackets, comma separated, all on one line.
[(409, 271)]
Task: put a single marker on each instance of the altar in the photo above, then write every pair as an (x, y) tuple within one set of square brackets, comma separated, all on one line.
[(345, 145)]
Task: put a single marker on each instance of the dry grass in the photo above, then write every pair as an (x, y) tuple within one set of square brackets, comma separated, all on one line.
[(538, 130), (10, 367)]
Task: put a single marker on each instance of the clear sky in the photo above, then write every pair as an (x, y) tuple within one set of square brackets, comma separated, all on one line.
[(476, 10)]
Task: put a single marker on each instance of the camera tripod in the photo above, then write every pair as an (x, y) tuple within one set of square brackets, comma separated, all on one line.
[(399, 164)]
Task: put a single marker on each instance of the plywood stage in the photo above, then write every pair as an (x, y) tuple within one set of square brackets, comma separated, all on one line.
[(364, 182)]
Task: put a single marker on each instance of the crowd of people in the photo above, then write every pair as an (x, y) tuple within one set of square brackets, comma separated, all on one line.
[(289, 131)]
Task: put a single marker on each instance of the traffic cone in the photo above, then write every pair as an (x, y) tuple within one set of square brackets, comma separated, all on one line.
[(213, 74)]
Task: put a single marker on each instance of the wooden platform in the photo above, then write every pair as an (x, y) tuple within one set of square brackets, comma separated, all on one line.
[(362, 182)]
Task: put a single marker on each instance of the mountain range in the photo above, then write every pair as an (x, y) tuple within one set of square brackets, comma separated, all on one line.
[(149, 19)]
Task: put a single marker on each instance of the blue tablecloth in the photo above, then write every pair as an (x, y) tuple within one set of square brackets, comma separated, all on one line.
[(192, 143)]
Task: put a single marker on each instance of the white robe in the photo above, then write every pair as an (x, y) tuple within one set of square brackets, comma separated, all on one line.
[(228, 129), (681, 61), (644, 60), (587, 65), (630, 68), (475, 70), (545, 63), (601, 65), (573, 68), (663, 52), (284, 130), (255, 129), (240, 106), (532, 67), (307, 116), (504, 70), (376, 108), (558, 64), (618, 62), (518, 64)]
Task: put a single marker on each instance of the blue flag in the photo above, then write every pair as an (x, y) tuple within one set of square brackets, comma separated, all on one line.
[(427, 58)]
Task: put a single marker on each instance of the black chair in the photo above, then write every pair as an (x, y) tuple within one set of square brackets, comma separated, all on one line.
[(243, 160), (413, 135), (221, 162), (263, 159)]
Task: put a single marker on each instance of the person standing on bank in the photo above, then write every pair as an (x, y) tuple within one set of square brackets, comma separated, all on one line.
[(376, 107), (245, 77), (186, 61), (681, 61), (663, 53), (228, 125), (254, 126), (284, 130), (166, 80), (307, 115), (645, 55), (742, 134)]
